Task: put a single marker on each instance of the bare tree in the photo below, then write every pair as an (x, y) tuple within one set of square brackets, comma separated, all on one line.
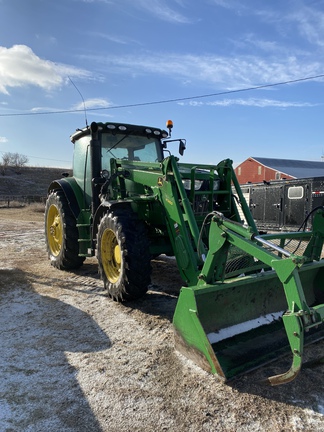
[(5, 162), (21, 160), (13, 159)]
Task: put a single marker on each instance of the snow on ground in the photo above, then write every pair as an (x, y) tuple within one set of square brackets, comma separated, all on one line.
[(73, 360)]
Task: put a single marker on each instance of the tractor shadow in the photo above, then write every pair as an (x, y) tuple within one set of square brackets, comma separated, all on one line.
[(35, 349)]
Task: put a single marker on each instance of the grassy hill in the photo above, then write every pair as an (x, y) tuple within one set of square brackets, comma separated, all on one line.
[(20, 183)]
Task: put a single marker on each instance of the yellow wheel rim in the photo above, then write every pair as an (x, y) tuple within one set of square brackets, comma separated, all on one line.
[(54, 230), (110, 255)]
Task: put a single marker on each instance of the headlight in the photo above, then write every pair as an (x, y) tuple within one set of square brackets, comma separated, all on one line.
[(216, 184), (187, 184), (201, 184)]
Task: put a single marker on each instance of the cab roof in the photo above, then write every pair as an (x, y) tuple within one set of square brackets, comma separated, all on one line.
[(114, 128)]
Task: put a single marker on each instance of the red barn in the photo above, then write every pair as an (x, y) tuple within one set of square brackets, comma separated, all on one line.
[(258, 170)]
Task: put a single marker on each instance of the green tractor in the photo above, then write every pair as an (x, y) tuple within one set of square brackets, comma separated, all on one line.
[(246, 297)]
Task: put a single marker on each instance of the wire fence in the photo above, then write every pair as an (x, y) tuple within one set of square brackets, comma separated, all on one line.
[(21, 200)]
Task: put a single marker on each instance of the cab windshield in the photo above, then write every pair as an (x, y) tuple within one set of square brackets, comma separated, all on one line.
[(130, 147)]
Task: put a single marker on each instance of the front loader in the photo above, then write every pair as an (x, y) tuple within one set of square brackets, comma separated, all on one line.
[(247, 297)]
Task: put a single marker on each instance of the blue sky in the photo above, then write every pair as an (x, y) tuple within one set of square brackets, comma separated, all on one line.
[(122, 53)]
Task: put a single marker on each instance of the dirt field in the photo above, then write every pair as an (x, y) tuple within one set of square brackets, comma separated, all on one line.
[(73, 360)]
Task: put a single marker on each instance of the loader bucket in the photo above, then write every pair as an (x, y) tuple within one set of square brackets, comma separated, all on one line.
[(240, 323)]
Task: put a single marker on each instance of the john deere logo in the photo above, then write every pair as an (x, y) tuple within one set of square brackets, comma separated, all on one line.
[(160, 181)]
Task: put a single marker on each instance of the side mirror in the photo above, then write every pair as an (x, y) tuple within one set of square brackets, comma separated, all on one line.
[(182, 147)]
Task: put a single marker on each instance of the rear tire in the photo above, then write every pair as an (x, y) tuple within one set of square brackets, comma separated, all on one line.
[(123, 255), (61, 233)]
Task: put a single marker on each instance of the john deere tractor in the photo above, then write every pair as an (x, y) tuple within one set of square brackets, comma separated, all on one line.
[(246, 297)]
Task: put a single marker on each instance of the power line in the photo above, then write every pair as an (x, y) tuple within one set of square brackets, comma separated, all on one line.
[(168, 100)]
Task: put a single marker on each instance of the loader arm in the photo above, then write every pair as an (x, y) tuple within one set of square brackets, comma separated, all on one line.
[(165, 182)]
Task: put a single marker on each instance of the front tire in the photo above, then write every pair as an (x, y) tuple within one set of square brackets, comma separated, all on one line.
[(61, 233), (123, 255)]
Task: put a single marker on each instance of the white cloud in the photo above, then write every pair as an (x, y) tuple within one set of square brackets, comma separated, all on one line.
[(251, 102), (109, 2), (46, 109), (161, 10), (164, 10), (112, 38), (228, 4), (93, 103), (89, 104), (292, 18), (3, 140), (301, 19), (223, 72), (310, 23), (121, 40), (20, 66)]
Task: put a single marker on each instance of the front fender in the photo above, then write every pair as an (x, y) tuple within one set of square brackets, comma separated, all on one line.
[(106, 207)]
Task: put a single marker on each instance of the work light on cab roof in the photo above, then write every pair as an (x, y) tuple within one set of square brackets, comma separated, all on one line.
[(169, 125)]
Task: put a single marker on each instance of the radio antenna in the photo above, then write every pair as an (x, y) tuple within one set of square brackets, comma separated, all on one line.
[(84, 105)]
